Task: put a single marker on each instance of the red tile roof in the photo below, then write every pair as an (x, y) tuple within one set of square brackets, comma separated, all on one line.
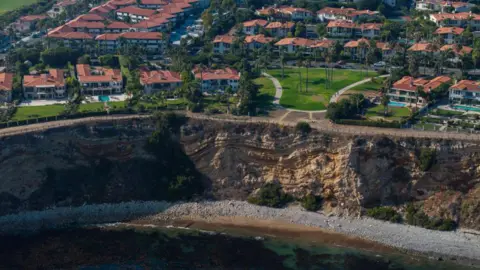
[(325, 43), (356, 43), (6, 81), (277, 25), (457, 49), (217, 74), (54, 77), (223, 39), (86, 74), (31, 18), (455, 4), (455, 16), (303, 42), (154, 2), (449, 30), (258, 38), (137, 11), (472, 86), (410, 84), (90, 17), (131, 35), (370, 26), (261, 23), (65, 3), (421, 47), (86, 24), (70, 35), (61, 29), (150, 23), (108, 37), (119, 25), (291, 10), (159, 76), (346, 12), (342, 24)]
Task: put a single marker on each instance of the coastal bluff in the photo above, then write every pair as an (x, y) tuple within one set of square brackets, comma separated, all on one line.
[(107, 163)]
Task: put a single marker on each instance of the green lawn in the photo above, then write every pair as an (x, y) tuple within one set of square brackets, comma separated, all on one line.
[(317, 97), (267, 92), (446, 112), (32, 112), (394, 113), (7, 5), (369, 86)]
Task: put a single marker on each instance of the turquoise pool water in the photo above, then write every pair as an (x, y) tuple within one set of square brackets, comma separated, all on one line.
[(466, 108), (104, 98), (396, 104)]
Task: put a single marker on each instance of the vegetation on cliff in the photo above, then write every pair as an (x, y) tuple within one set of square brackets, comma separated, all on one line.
[(311, 202), (417, 217), (384, 213), (426, 159), (272, 195)]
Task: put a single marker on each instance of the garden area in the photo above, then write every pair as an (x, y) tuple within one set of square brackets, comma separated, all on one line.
[(377, 112), (7, 5), (317, 96)]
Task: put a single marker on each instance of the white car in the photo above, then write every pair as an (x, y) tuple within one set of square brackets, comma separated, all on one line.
[(380, 64)]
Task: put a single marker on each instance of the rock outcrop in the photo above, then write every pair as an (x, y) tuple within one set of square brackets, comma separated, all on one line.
[(350, 172)]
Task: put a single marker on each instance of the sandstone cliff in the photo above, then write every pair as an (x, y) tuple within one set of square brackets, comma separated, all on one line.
[(108, 163)]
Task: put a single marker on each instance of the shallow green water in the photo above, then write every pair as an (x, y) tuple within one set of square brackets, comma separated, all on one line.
[(188, 249)]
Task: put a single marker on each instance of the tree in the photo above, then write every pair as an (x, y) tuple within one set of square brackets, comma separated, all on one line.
[(413, 65), (321, 30), (247, 93), (282, 61), (300, 29), (385, 101), (418, 90)]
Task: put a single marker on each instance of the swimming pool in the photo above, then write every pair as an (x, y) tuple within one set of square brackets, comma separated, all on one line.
[(104, 98), (396, 104), (466, 108)]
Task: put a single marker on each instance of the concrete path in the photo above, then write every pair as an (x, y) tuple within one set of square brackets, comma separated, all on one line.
[(335, 97), (278, 88)]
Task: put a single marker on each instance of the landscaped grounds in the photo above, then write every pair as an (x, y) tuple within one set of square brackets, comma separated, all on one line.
[(317, 96), (7, 5), (394, 113)]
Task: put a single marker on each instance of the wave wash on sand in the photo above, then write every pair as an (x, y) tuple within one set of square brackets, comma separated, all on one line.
[(411, 238)]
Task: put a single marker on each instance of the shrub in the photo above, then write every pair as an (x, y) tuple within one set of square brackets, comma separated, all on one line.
[(272, 195), (384, 213), (426, 159), (303, 127), (417, 217), (394, 124), (311, 202)]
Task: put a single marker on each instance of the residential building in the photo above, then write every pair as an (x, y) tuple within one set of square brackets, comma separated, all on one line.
[(150, 41), (117, 4), (458, 51), (91, 18), (59, 7), (322, 45), (369, 30), (449, 35), (152, 25), (25, 23), (99, 81), (222, 44), (118, 27), (428, 5), (465, 92), (357, 49), (45, 86), (157, 80), (73, 40), (6, 86), (257, 41), (279, 29), (286, 12), (421, 47), (391, 3), (291, 45), (350, 14), (152, 4), (387, 50), (341, 28), (252, 27), (94, 28), (4, 40), (134, 14), (405, 89), (462, 20), (213, 80)]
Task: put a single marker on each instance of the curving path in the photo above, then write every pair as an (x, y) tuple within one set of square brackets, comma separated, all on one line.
[(335, 97)]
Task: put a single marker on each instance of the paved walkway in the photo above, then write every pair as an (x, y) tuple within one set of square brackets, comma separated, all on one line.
[(335, 97), (321, 125)]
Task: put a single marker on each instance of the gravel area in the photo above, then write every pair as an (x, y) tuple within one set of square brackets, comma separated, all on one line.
[(449, 244)]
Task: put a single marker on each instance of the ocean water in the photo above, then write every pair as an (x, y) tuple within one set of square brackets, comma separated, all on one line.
[(103, 249)]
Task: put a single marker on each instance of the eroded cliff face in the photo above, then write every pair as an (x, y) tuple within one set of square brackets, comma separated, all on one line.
[(109, 164)]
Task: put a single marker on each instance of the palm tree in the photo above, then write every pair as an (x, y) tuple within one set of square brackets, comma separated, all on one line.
[(418, 89), (307, 64), (385, 101), (282, 62), (228, 93)]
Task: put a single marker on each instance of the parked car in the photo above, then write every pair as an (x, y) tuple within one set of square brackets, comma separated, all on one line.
[(380, 64)]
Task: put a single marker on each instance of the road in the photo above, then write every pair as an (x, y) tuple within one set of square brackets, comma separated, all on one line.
[(320, 125)]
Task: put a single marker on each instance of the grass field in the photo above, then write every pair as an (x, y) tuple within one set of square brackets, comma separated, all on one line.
[(267, 92), (7, 5), (369, 86), (32, 112), (394, 113), (317, 97)]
